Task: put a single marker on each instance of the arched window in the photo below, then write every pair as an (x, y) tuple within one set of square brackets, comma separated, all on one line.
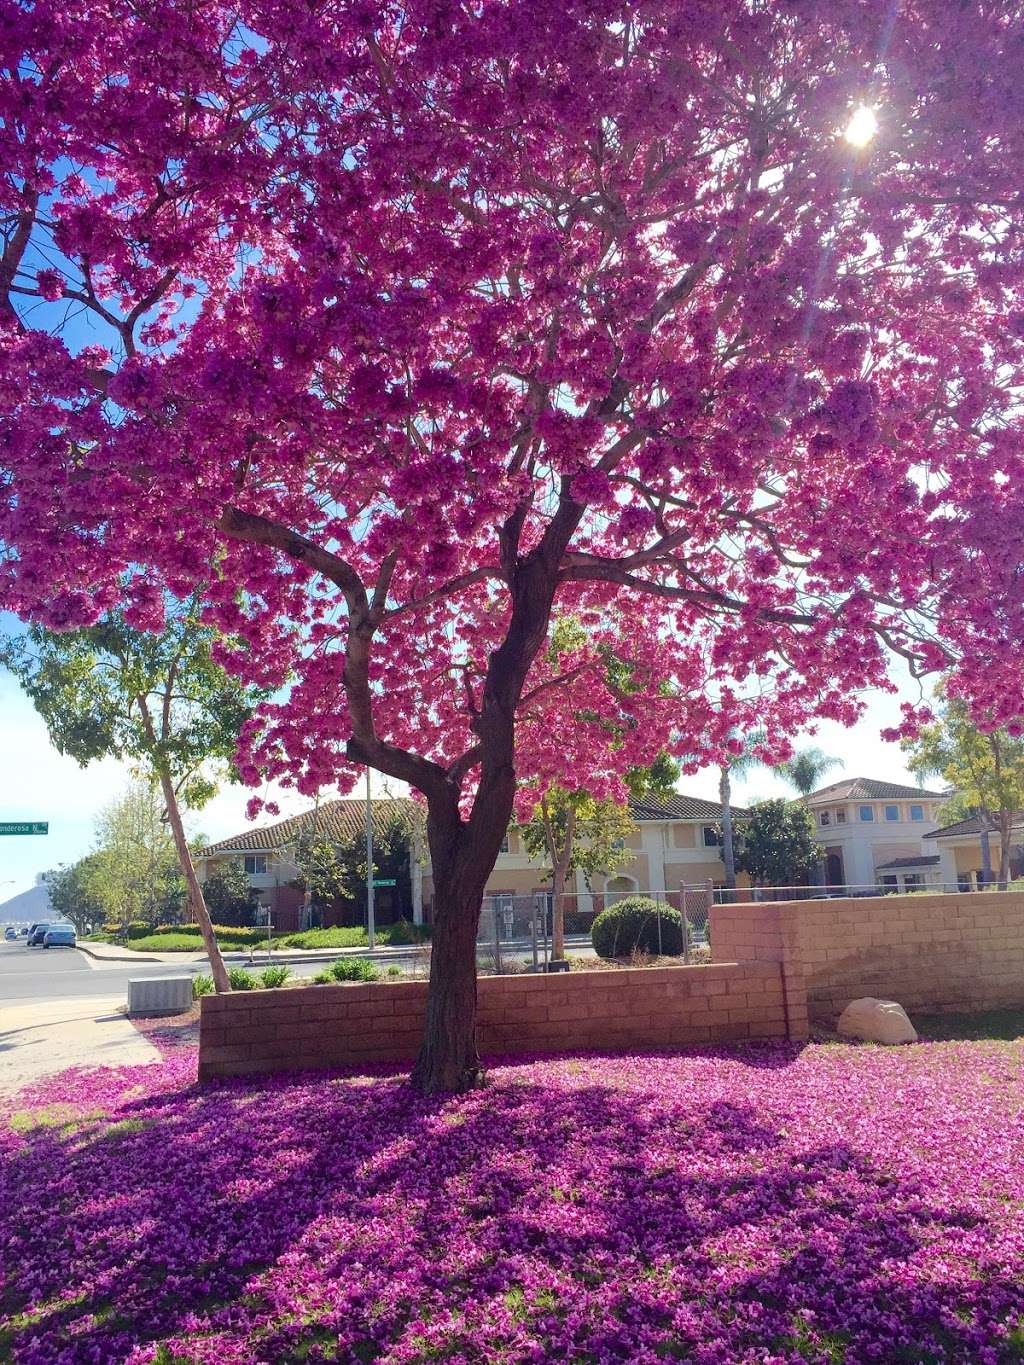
[(618, 888)]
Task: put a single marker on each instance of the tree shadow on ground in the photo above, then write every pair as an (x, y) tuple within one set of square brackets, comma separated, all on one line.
[(545, 1217)]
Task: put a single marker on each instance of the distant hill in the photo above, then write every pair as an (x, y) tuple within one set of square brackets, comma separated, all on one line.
[(27, 907)]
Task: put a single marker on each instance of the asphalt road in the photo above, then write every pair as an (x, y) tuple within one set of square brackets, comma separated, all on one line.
[(67, 974)]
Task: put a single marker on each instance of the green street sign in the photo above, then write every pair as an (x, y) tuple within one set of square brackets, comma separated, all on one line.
[(386, 881), (25, 827)]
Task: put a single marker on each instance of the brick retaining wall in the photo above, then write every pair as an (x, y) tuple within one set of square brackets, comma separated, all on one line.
[(932, 953), (355, 1025)]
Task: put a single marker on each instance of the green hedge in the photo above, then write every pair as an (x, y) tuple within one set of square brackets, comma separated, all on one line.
[(632, 924)]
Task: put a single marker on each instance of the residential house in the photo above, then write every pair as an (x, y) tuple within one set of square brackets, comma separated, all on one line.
[(267, 852), (676, 843), (958, 849), (874, 833)]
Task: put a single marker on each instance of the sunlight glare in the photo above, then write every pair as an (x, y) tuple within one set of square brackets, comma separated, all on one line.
[(862, 127)]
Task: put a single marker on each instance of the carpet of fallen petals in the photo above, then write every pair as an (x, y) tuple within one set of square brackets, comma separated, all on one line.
[(768, 1203)]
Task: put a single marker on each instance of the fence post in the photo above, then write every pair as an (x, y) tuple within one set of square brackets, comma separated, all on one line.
[(686, 923), (497, 936)]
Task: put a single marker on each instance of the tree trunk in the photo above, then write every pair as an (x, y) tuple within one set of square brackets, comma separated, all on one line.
[(195, 891), (448, 1059), (986, 850), (1005, 837), (728, 850), (560, 860), (462, 857), (558, 876)]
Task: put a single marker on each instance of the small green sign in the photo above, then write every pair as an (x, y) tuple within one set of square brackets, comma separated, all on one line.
[(25, 827), (385, 881)]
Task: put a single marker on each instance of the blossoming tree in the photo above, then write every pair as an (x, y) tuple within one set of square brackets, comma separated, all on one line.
[(402, 324)]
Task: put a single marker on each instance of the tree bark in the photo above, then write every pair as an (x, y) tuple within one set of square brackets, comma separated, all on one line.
[(986, 850), (448, 1059), (195, 891), (560, 860), (728, 850), (1005, 837)]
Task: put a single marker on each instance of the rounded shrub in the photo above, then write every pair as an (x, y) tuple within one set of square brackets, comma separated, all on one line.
[(138, 928), (632, 924)]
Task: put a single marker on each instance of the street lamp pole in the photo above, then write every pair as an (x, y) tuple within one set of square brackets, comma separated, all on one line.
[(370, 927)]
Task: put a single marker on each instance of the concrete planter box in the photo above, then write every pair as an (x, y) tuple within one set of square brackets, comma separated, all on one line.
[(155, 995)]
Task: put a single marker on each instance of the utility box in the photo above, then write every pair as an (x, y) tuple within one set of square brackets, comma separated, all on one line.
[(160, 995)]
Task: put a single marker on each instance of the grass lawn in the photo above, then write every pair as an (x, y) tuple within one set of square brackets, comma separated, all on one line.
[(766, 1203), (188, 939)]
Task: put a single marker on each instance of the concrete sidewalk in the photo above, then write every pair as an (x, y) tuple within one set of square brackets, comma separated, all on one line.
[(42, 1038)]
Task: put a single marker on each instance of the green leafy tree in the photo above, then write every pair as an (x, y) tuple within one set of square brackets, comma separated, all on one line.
[(329, 870), (132, 869), (779, 848), (985, 769), (158, 699), (572, 830), (229, 896), (73, 892), (806, 769), (738, 765)]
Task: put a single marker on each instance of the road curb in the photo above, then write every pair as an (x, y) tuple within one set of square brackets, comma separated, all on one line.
[(109, 957)]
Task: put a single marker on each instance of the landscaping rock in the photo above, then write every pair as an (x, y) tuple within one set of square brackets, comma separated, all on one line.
[(876, 1021)]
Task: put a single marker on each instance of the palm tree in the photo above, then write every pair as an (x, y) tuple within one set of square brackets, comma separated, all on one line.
[(806, 769), (738, 766)]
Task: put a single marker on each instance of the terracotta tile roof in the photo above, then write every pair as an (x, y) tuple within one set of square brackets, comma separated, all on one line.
[(679, 807), (339, 821), (925, 860), (972, 825), (870, 789), (344, 820)]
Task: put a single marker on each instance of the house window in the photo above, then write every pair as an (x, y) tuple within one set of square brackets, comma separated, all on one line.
[(824, 818), (712, 838), (917, 812), (256, 864), (503, 847), (840, 817), (892, 812), (890, 883), (912, 880), (866, 813)]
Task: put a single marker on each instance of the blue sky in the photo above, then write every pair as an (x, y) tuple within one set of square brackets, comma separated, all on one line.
[(40, 784)]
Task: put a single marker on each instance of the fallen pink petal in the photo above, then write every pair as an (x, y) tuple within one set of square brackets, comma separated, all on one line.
[(764, 1203)]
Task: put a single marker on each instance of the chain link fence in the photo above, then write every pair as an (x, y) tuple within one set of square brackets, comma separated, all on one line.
[(516, 930)]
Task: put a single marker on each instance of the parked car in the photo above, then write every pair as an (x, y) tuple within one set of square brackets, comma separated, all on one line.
[(10, 932), (60, 936), (36, 933)]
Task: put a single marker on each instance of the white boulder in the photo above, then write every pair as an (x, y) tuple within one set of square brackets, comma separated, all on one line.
[(876, 1021)]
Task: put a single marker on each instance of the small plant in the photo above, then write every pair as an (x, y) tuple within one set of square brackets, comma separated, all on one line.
[(201, 985), (393, 971), (241, 980), (348, 969), (403, 934), (273, 977)]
